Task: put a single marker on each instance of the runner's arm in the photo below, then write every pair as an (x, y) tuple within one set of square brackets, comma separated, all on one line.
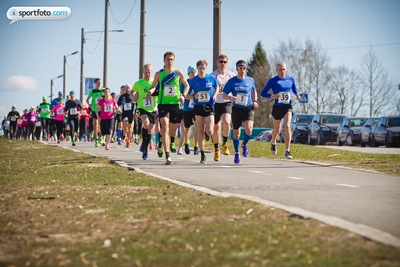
[(153, 86), (183, 80)]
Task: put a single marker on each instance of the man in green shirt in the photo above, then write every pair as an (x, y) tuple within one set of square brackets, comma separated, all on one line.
[(95, 95), (44, 109), (168, 80)]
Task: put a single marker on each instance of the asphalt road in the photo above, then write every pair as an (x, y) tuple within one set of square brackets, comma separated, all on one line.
[(361, 197)]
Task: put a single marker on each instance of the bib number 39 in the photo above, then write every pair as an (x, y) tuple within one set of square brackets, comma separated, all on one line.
[(285, 98)]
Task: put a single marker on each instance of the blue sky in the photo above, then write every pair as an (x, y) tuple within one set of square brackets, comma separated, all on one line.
[(35, 49)]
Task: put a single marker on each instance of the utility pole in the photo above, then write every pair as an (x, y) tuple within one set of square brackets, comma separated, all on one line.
[(51, 91), (82, 41), (142, 35), (105, 45), (217, 32), (65, 61)]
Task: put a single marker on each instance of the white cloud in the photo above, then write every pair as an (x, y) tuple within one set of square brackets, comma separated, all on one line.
[(20, 83)]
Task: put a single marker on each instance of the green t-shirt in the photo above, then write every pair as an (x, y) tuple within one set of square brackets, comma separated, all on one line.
[(169, 88), (96, 95), (45, 110), (142, 88)]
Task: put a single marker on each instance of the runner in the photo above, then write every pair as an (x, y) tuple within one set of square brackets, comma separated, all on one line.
[(203, 87), (53, 126), (19, 130), (84, 114), (72, 110), (188, 116), (25, 125), (32, 119), (115, 126), (38, 124), (223, 108), (282, 86), (106, 117), (6, 127), (59, 111), (13, 117), (127, 113), (147, 108), (96, 94), (119, 117), (168, 100), (67, 129), (244, 98), (44, 109)]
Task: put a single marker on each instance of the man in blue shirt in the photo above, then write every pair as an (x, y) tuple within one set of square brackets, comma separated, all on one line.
[(282, 86), (203, 88), (53, 104), (244, 99)]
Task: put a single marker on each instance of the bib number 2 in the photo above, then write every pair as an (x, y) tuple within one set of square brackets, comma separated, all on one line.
[(170, 90)]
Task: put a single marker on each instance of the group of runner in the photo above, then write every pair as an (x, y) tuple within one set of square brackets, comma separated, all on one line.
[(210, 102)]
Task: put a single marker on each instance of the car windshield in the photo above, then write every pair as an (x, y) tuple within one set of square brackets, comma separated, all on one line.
[(393, 122), (304, 118), (357, 122), (332, 119)]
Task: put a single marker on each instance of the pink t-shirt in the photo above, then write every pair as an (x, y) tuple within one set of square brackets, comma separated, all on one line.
[(25, 120), (107, 108), (59, 111)]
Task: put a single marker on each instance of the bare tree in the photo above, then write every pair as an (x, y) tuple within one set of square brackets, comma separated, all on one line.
[(376, 83)]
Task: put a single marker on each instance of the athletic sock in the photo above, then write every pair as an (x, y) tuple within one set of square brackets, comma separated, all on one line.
[(151, 138), (157, 134), (202, 153), (216, 147), (246, 139), (144, 135), (273, 143), (166, 154), (172, 139), (225, 140), (236, 145), (159, 140), (287, 150)]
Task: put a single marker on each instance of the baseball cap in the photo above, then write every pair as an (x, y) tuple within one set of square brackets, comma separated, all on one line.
[(113, 93), (190, 68), (32, 107), (13, 106), (72, 92), (128, 85), (60, 93), (44, 97)]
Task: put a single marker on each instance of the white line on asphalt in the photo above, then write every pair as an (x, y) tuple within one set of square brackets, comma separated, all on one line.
[(256, 171), (295, 178), (180, 158), (348, 185), (225, 166)]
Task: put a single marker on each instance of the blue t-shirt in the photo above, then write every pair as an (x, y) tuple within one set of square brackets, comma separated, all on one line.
[(205, 86), (281, 86), (242, 89), (188, 104)]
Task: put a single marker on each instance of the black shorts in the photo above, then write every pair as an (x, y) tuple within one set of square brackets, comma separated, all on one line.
[(203, 110), (240, 115), (278, 112), (106, 126), (170, 111), (119, 118), (180, 115), (150, 115), (222, 108), (94, 116), (188, 118), (130, 118)]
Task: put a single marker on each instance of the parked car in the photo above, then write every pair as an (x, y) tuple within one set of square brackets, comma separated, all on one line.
[(257, 138), (365, 132), (299, 127), (266, 136), (386, 131), (349, 131), (323, 128)]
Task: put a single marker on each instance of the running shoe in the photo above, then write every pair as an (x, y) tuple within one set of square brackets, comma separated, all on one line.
[(151, 146), (237, 158), (58, 142), (288, 155), (88, 139), (103, 144), (225, 149), (48, 137), (144, 156), (26, 138), (207, 137), (172, 147), (107, 148), (196, 150), (73, 143), (160, 152), (112, 141), (137, 141), (187, 149), (245, 151), (168, 161), (216, 156), (127, 144), (203, 159), (119, 141), (39, 138), (96, 143), (85, 139), (123, 139), (156, 146), (131, 139), (80, 140), (273, 149), (142, 148), (179, 152)]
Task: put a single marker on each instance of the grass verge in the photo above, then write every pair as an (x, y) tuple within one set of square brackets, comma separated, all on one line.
[(62, 208)]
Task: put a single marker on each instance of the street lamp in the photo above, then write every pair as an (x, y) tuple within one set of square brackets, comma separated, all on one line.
[(82, 42), (65, 61), (51, 86)]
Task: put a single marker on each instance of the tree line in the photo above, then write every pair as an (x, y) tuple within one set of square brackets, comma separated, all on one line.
[(367, 90)]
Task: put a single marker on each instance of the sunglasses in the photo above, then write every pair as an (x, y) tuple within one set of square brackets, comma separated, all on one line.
[(223, 61), (241, 68)]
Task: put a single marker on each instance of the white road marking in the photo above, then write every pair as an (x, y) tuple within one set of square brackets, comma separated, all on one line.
[(256, 171), (348, 185), (180, 158), (295, 178), (226, 166)]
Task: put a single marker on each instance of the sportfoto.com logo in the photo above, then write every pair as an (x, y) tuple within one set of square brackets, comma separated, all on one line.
[(38, 13)]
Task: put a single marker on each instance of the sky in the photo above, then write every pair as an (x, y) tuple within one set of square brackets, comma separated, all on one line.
[(32, 51)]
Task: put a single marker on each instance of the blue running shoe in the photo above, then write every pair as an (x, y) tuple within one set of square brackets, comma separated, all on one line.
[(245, 151), (237, 159), (144, 156), (142, 148)]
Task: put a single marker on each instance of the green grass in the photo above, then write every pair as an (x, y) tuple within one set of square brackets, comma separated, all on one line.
[(150, 222)]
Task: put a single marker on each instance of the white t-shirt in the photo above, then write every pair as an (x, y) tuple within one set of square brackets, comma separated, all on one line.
[(222, 80)]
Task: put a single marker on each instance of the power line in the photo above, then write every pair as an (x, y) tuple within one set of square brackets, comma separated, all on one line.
[(74, 66), (126, 18), (98, 41)]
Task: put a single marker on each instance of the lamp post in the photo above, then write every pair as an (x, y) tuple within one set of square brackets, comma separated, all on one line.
[(82, 61), (65, 61), (51, 86)]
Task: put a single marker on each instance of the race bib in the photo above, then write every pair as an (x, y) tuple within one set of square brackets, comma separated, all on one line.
[(38, 124), (148, 103), (181, 105), (204, 96), (108, 108), (33, 118), (44, 110), (242, 99), (221, 90), (170, 90), (285, 98), (13, 118), (24, 119), (128, 106), (60, 111), (73, 111), (84, 112), (97, 99), (191, 103)]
